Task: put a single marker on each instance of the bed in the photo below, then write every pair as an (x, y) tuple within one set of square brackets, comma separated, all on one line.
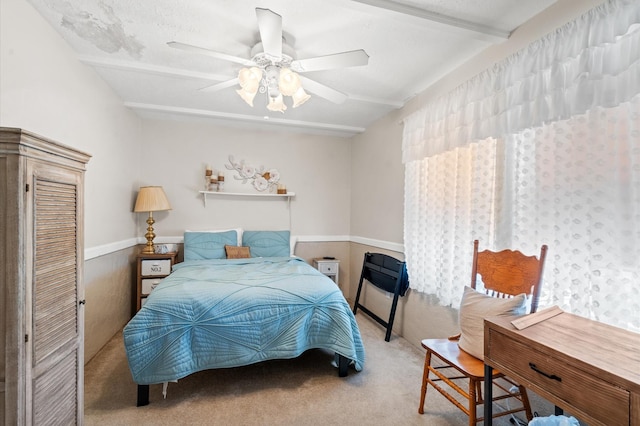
[(219, 312)]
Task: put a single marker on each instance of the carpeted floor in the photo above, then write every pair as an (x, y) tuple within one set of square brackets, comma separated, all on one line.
[(302, 391)]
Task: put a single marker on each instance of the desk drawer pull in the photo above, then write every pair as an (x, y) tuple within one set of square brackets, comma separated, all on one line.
[(537, 370)]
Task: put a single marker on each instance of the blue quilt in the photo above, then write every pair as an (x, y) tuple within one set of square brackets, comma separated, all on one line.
[(232, 312)]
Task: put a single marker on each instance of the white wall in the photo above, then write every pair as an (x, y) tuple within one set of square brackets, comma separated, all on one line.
[(377, 181), (315, 168), (44, 89)]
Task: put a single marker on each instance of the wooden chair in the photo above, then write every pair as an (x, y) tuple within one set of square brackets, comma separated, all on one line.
[(504, 274)]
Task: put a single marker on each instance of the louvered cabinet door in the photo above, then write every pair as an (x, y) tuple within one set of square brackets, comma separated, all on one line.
[(41, 290), (55, 320)]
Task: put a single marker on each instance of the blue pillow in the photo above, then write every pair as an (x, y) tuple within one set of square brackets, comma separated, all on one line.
[(208, 245), (267, 243)]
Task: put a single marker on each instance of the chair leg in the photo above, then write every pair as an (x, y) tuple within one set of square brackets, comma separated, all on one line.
[(425, 375), (525, 402), (479, 394), (473, 401)]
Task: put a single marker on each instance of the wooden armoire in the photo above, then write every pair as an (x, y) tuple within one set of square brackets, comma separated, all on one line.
[(41, 292)]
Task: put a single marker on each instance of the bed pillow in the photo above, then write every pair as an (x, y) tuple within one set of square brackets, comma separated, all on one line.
[(208, 245), (236, 252), (474, 308), (267, 243), (238, 232)]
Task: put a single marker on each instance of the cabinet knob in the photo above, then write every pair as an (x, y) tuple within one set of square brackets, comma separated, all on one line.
[(82, 302)]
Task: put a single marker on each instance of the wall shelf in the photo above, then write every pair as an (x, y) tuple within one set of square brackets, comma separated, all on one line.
[(206, 194)]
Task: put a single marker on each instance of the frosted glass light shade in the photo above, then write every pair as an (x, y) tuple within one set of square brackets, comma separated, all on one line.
[(300, 97), (247, 96), (277, 104), (249, 78), (289, 82)]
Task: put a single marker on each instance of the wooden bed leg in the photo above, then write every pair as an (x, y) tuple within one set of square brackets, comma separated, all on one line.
[(143, 395), (343, 366)]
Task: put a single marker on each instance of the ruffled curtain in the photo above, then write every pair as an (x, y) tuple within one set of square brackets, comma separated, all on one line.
[(544, 148), (592, 61)]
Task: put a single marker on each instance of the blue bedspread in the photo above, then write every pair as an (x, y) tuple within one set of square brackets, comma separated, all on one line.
[(233, 312)]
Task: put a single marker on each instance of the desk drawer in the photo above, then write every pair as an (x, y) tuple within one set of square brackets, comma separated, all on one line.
[(151, 267), (582, 390)]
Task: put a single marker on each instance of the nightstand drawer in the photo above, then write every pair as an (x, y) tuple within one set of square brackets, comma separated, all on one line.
[(149, 284), (328, 267), (580, 389), (151, 267)]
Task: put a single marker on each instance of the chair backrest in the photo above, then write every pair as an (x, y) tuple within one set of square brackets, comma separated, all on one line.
[(508, 273)]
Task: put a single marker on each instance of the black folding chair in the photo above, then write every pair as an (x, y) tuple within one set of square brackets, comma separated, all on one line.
[(388, 274)]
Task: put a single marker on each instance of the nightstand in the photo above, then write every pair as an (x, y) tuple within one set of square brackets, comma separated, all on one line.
[(329, 267), (152, 268)]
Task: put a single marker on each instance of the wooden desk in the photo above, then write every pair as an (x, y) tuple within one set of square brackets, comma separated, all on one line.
[(588, 368)]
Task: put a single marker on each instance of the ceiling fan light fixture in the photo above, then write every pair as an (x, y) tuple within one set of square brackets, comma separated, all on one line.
[(273, 67), (289, 82), (272, 74), (247, 96), (300, 97), (249, 78), (277, 104)]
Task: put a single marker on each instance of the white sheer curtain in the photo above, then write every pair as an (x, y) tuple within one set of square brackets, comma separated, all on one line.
[(449, 202), (542, 149), (576, 187)]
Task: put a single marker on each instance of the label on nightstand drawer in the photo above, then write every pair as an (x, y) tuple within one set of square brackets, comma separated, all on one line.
[(149, 285), (156, 267)]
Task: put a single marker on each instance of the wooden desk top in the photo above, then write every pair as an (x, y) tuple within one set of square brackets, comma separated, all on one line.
[(584, 343)]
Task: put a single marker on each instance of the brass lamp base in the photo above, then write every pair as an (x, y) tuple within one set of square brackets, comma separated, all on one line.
[(148, 249)]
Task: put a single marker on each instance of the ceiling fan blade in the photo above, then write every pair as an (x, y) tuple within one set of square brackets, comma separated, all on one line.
[(338, 60), (270, 26), (220, 86), (203, 51), (323, 91)]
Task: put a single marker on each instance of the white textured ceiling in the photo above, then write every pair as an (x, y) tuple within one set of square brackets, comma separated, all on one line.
[(410, 43)]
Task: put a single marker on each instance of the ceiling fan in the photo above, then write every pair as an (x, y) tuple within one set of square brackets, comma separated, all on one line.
[(273, 68)]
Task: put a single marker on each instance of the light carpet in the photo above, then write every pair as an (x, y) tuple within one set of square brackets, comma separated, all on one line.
[(301, 391)]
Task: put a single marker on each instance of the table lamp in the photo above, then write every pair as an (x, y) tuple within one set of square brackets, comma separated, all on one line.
[(151, 199)]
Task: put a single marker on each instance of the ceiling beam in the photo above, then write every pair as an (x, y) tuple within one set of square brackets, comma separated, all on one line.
[(326, 127), (149, 68), (385, 102), (480, 31)]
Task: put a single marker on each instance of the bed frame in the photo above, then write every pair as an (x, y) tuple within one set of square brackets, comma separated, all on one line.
[(388, 274), (343, 371)]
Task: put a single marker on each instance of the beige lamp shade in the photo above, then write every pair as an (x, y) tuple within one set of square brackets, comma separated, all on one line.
[(151, 199)]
